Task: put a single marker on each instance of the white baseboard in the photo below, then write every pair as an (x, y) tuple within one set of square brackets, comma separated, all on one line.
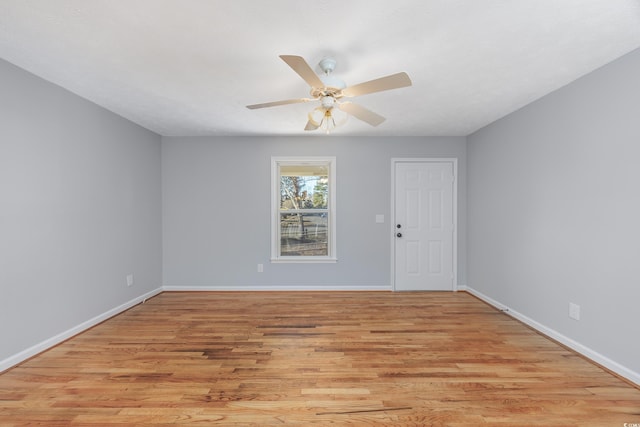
[(269, 288), (598, 358), (53, 341)]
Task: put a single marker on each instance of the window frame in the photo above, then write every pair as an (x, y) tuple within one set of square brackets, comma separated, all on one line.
[(276, 163)]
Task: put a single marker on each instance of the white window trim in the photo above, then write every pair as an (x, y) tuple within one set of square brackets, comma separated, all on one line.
[(275, 209)]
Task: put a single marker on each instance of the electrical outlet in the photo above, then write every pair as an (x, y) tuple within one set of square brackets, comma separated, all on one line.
[(574, 311), (260, 268), (130, 280)]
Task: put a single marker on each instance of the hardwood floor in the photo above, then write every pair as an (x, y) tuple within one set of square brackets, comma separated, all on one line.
[(313, 358)]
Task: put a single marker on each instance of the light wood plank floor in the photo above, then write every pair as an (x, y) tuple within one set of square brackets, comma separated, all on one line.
[(313, 358)]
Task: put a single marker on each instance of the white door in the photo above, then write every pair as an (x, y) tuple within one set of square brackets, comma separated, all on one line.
[(424, 228)]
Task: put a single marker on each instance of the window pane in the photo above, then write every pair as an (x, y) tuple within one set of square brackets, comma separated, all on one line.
[(303, 203), (304, 187), (303, 234)]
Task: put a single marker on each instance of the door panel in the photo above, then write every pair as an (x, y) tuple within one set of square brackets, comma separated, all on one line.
[(424, 210), (412, 257), (435, 257)]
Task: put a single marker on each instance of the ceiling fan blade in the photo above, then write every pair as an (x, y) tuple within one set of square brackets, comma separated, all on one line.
[(393, 81), (276, 103), (300, 66), (361, 113), (311, 126)]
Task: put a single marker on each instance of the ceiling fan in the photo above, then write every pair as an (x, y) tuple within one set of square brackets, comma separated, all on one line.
[(330, 91)]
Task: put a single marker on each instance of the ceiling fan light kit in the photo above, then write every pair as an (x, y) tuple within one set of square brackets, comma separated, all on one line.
[(330, 90), (326, 119)]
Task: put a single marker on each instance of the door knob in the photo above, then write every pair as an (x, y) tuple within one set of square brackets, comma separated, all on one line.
[(399, 235), (398, 226)]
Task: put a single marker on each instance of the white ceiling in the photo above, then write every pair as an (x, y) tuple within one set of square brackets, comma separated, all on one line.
[(189, 67)]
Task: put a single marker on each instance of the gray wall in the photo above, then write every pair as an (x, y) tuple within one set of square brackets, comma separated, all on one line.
[(79, 210), (554, 210), (216, 209)]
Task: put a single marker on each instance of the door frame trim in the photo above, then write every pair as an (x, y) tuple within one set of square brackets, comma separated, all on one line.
[(394, 162)]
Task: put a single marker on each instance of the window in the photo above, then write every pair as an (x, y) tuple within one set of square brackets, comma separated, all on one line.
[(303, 209)]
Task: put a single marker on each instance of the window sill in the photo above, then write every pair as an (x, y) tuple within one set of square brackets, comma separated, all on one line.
[(304, 260)]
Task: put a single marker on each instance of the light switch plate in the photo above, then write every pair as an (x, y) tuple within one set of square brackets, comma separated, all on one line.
[(574, 311)]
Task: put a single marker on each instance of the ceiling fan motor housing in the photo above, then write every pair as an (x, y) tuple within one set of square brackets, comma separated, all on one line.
[(331, 82)]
